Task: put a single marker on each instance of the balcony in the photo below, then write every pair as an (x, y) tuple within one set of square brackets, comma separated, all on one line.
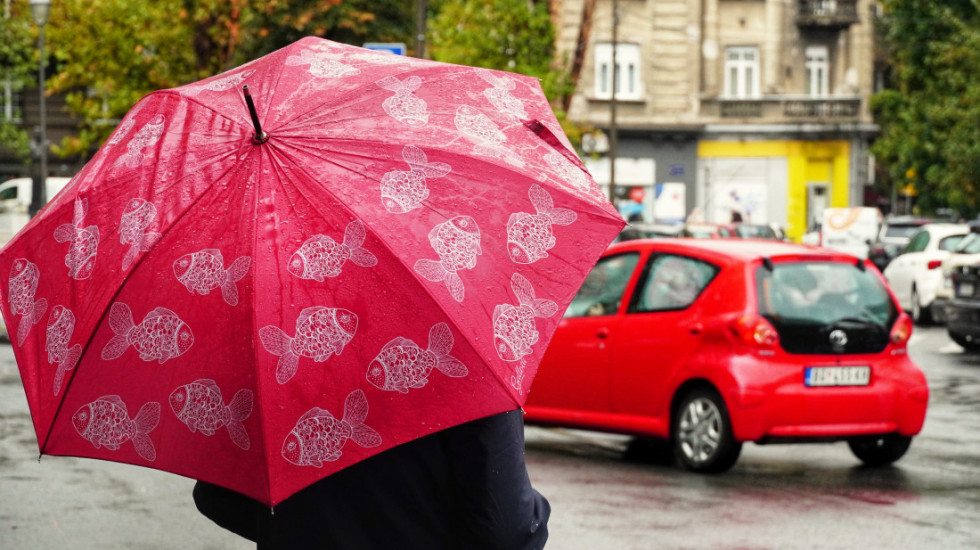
[(826, 14), (784, 109)]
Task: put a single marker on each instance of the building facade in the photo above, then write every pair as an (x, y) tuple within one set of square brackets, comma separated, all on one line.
[(755, 109)]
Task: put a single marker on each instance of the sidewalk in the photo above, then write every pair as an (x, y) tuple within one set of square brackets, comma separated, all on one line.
[(83, 504)]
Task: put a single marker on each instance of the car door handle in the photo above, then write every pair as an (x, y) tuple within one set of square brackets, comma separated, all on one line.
[(602, 333), (696, 328)]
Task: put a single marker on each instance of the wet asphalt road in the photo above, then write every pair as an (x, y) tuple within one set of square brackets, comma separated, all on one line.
[(776, 497)]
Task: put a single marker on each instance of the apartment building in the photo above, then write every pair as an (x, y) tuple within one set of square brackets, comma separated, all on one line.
[(758, 107)]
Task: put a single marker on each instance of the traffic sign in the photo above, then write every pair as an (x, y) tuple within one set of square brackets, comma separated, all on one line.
[(397, 48)]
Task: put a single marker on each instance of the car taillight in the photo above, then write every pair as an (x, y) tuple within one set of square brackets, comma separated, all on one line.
[(934, 264), (755, 330), (902, 330)]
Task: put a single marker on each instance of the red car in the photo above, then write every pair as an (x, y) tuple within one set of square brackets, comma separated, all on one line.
[(712, 343)]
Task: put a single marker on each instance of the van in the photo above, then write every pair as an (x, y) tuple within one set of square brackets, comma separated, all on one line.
[(15, 200), (850, 230), (15, 194)]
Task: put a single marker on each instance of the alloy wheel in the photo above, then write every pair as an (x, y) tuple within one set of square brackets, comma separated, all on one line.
[(700, 430)]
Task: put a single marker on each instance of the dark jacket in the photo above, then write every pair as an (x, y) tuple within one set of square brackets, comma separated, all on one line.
[(463, 488)]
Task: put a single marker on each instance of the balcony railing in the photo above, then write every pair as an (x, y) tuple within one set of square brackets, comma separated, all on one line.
[(827, 13), (781, 109)]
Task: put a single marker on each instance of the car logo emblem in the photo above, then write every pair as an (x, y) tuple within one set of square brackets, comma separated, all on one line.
[(838, 339)]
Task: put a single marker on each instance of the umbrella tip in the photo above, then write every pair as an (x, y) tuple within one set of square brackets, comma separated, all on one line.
[(259, 137)]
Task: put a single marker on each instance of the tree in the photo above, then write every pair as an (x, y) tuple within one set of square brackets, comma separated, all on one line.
[(113, 52), (930, 114), (17, 57)]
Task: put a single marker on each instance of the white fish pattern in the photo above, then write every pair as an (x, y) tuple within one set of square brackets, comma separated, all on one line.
[(403, 106), (136, 220), (81, 257), (572, 175), (403, 191), (320, 332), (485, 134), (514, 330), (322, 64), (318, 437), (61, 326), (222, 84), (457, 242), (22, 287), (161, 336), (148, 135), (200, 406), (105, 422), (402, 364), (530, 236), (320, 256), (500, 95), (204, 271)]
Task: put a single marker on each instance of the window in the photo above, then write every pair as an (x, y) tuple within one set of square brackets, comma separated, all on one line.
[(671, 283), (817, 68), (602, 291), (627, 73), (742, 72)]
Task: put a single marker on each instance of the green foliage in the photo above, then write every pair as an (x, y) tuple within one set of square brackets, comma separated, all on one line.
[(930, 116), (19, 62)]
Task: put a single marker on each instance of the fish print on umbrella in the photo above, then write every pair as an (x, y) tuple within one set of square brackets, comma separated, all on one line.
[(572, 176), (320, 256), (457, 242), (204, 271), (223, 84), (81, 256), (403, 191), (487, 136), (500, 95), (530, 236), (148, 135), (403, 106), (105, 422), (318, 437), (514, 330), (161, 336), (201, 407), (322, 64), (320, 332), (61, 326), (403, 365), (21, 287), (133, 229)]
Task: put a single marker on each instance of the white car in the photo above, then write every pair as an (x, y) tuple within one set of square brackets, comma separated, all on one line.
[(967, 252), (915, 274)]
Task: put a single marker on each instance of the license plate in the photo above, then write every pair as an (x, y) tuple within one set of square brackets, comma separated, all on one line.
[(966, 289), (837, 376)]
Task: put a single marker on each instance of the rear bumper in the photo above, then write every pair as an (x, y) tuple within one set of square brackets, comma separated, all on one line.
[(894, 401), (963, 317)]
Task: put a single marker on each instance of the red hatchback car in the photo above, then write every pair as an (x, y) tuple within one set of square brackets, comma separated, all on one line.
[(712, 343)]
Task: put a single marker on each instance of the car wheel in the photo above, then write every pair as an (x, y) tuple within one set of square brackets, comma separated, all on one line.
[(702, 433), (968, 345), (879, 450), (920, 315)]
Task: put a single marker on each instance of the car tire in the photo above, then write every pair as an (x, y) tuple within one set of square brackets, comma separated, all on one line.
[(921, 315), (968, 345), (879, 450), (702, 433)]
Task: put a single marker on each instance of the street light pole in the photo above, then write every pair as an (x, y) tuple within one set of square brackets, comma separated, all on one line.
[(613, 130), (41, 9)]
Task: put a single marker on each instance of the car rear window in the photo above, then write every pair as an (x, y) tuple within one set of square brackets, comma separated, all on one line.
[(806, 300), (901, 230), (969, 245)]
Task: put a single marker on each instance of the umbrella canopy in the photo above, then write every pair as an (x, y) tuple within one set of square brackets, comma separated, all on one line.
[(383, 252)]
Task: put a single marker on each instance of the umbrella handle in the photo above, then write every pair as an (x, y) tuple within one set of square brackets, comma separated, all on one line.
[(260, 137)]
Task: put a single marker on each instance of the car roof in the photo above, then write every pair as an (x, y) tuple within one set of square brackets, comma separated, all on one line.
[(739, 250)]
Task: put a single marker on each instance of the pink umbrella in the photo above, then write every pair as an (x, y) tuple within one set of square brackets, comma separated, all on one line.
[(380, 250)]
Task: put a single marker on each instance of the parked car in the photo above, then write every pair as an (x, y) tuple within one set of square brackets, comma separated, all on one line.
[(755, 231), (709, 230), (915, 273), (850, 230), (963, 313), (711, 343), (966, 252), (893, 237), (641, 230)]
